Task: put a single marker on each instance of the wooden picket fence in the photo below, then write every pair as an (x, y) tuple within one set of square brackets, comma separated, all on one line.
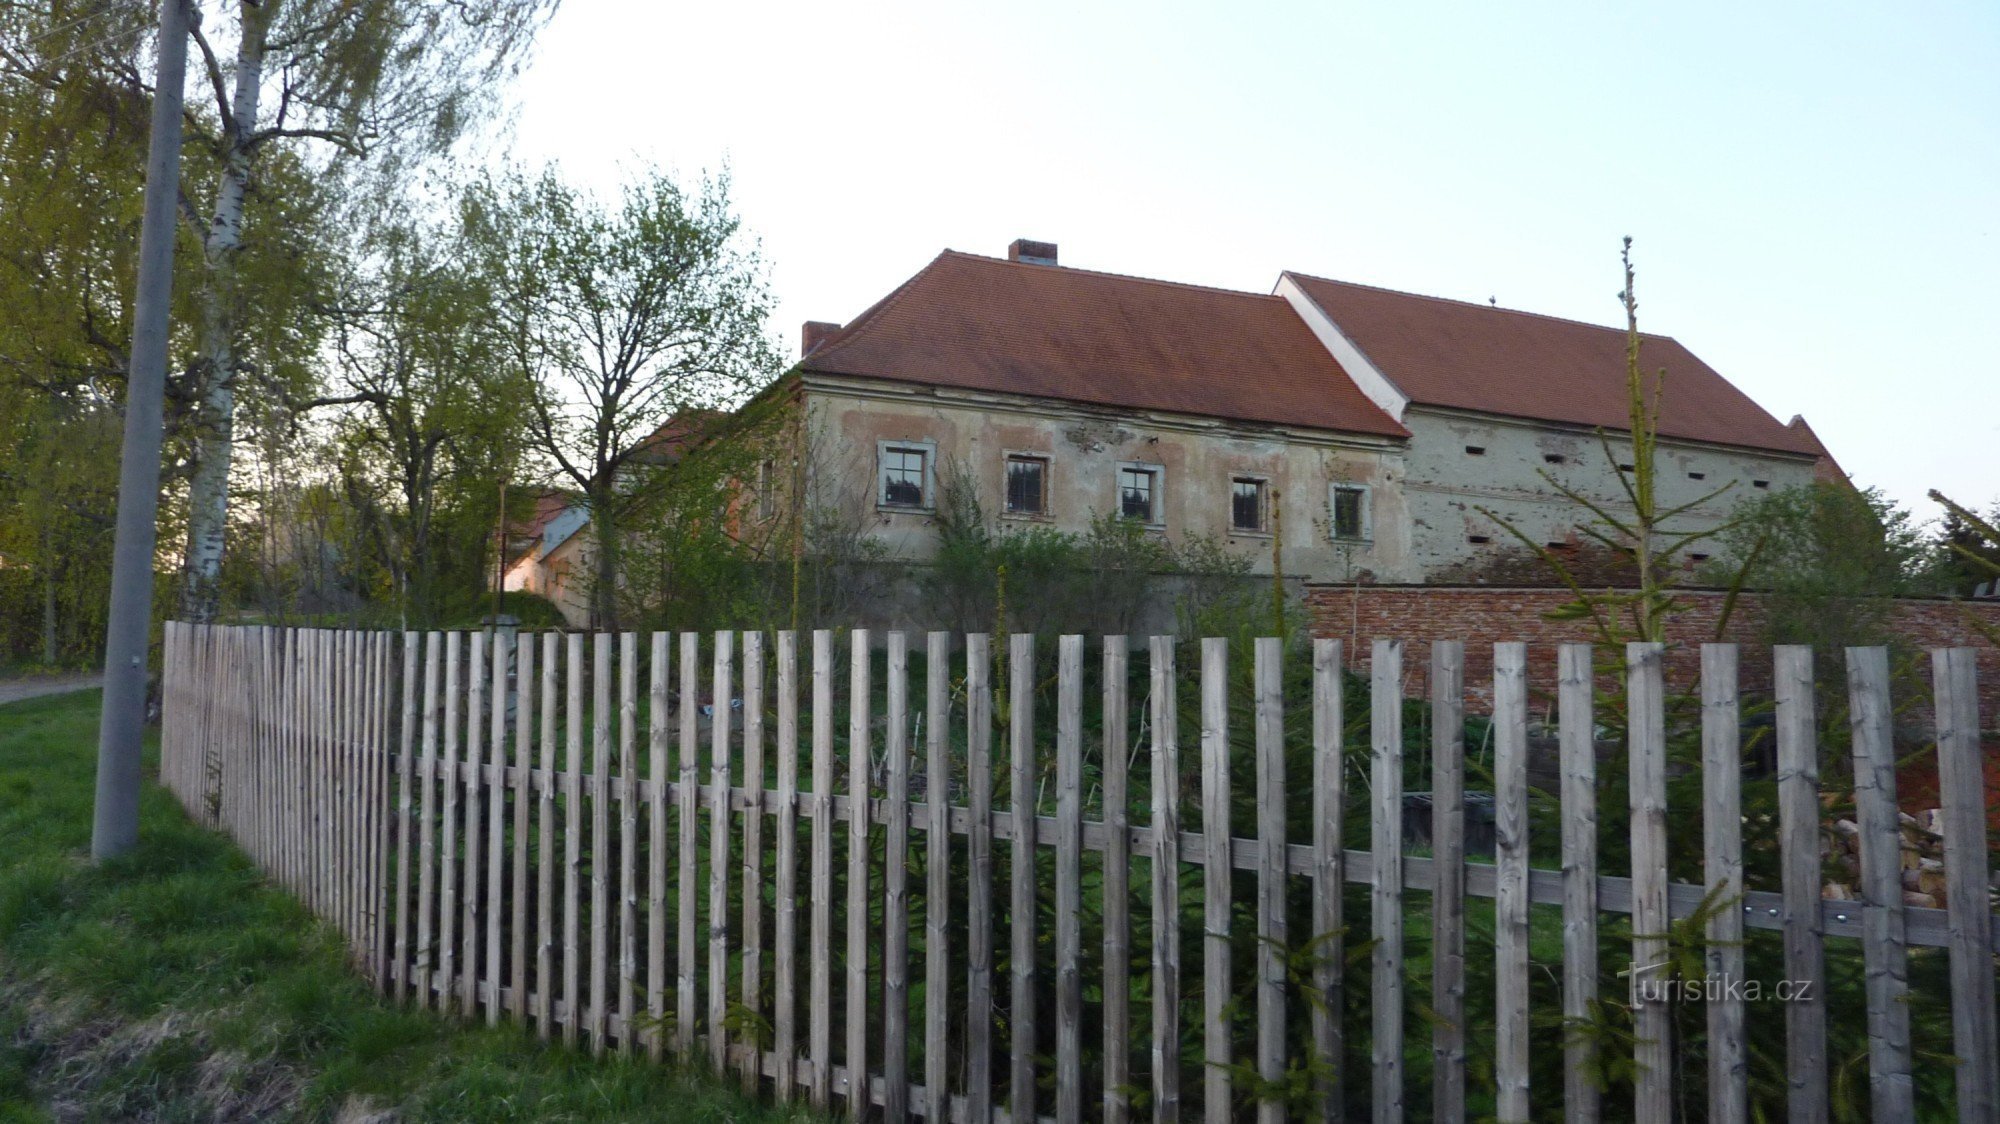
[(501, 828)]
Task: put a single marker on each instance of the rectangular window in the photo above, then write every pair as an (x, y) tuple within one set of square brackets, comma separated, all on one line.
[(1350, 512), (905, 475), (1027, 485), (1139, 492), (767, 496), (1246, 504)]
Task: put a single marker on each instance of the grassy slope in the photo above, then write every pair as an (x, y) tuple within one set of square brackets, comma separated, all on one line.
[(175, 984)]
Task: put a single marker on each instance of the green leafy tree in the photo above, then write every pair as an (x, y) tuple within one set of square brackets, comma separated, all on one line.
[(334, 82), (620, 317), (1828, 561)]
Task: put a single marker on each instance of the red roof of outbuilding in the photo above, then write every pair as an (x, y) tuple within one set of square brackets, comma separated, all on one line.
[(985, 324), (1490, 360)]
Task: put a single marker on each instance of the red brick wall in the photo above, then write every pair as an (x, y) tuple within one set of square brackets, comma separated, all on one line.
[(1484, 615)]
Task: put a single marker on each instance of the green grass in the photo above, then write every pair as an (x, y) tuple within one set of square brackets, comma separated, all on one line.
[(175, 984)]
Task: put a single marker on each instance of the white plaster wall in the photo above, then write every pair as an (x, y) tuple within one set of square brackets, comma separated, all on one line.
[(1446, 485), (1085, 447)]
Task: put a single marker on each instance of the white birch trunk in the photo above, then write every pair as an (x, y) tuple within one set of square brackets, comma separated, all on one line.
[(215, 442)]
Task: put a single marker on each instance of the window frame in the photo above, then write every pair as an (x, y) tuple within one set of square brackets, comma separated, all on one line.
[(1263, 483), (1048, 463), (1157, 518), (1366, 492), (767, 498), (928, 501)]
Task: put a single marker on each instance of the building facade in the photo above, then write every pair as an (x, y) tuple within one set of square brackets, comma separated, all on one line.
[(1345, 433)]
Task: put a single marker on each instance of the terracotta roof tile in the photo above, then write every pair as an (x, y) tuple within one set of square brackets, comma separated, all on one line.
[(1476, 357), (981, 323)]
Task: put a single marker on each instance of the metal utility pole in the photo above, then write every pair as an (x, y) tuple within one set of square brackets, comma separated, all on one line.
[(127, 637)]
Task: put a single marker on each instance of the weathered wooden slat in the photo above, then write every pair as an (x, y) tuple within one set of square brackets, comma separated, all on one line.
[(860, 756), (495, 783), (937, 870), (752, 942), (1386, 889), (819, 954), (1722, 846), (601, 862), (524, 743), (1962, 781), (572, 829), (718, 841), (1885, 955), (784, 963), (1217, 1052), (685, 902), (1069, 880), (628, 838), (1653, 1052), (1448, 899), (1799, 843), (1273, 928), (449, 856), (1577, 737), (405, 818), (545, 844), (895, 886), (1510, 901), (1329, 824), (658, 757), (1117, 883), (1021, 901), (474, 840), (979, 877)]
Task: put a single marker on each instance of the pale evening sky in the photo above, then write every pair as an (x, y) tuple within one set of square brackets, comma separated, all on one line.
[(1813, 189)]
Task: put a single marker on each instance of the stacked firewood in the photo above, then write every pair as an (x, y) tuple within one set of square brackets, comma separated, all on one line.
[(1922, 860)]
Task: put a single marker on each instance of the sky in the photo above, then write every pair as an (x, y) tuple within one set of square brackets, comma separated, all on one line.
[(1812, 189)]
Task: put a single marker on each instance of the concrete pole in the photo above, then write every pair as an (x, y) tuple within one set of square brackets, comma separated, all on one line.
[(128, 636)]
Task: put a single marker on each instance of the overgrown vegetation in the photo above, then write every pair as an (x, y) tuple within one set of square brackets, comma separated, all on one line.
[(176, 984)]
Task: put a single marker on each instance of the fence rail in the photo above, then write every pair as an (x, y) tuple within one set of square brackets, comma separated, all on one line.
[(517, 826)]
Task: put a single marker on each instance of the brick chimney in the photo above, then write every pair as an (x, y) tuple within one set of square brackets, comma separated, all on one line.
[(814, 333), (1034, 253)]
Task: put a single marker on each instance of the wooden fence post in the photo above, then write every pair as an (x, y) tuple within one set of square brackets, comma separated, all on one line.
[(1722, 846), (1386, 896), (1652, 1051), (784, 962), (1273, 928), (937, 866), (860, 756), (1578, 753), (1069, 880), (1962, 782), (1448, 872), (1883, 951), (1022, 810), (979, 893), (1799, 841), (895, 886), (1117, 1008)]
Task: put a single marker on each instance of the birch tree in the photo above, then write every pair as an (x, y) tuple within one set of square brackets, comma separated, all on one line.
[(621, 317), (392, 81)]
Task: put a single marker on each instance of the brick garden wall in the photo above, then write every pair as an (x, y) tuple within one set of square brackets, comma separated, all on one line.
[(1484, 615)]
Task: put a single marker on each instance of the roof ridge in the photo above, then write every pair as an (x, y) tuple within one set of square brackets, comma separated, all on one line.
[(1476, 304), (990, 260), (852, 328)]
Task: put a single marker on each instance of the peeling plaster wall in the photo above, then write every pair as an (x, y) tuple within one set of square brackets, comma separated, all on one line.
[(1447, 485), (1085, 447)]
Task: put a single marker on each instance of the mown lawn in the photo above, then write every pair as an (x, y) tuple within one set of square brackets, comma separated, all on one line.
[(175, 984)]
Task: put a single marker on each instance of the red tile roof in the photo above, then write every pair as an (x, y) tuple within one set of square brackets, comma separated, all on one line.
[(1826, 470), (981, 323), (1476, 357)]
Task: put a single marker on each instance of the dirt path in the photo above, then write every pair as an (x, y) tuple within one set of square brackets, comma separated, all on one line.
[(15, 690)]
